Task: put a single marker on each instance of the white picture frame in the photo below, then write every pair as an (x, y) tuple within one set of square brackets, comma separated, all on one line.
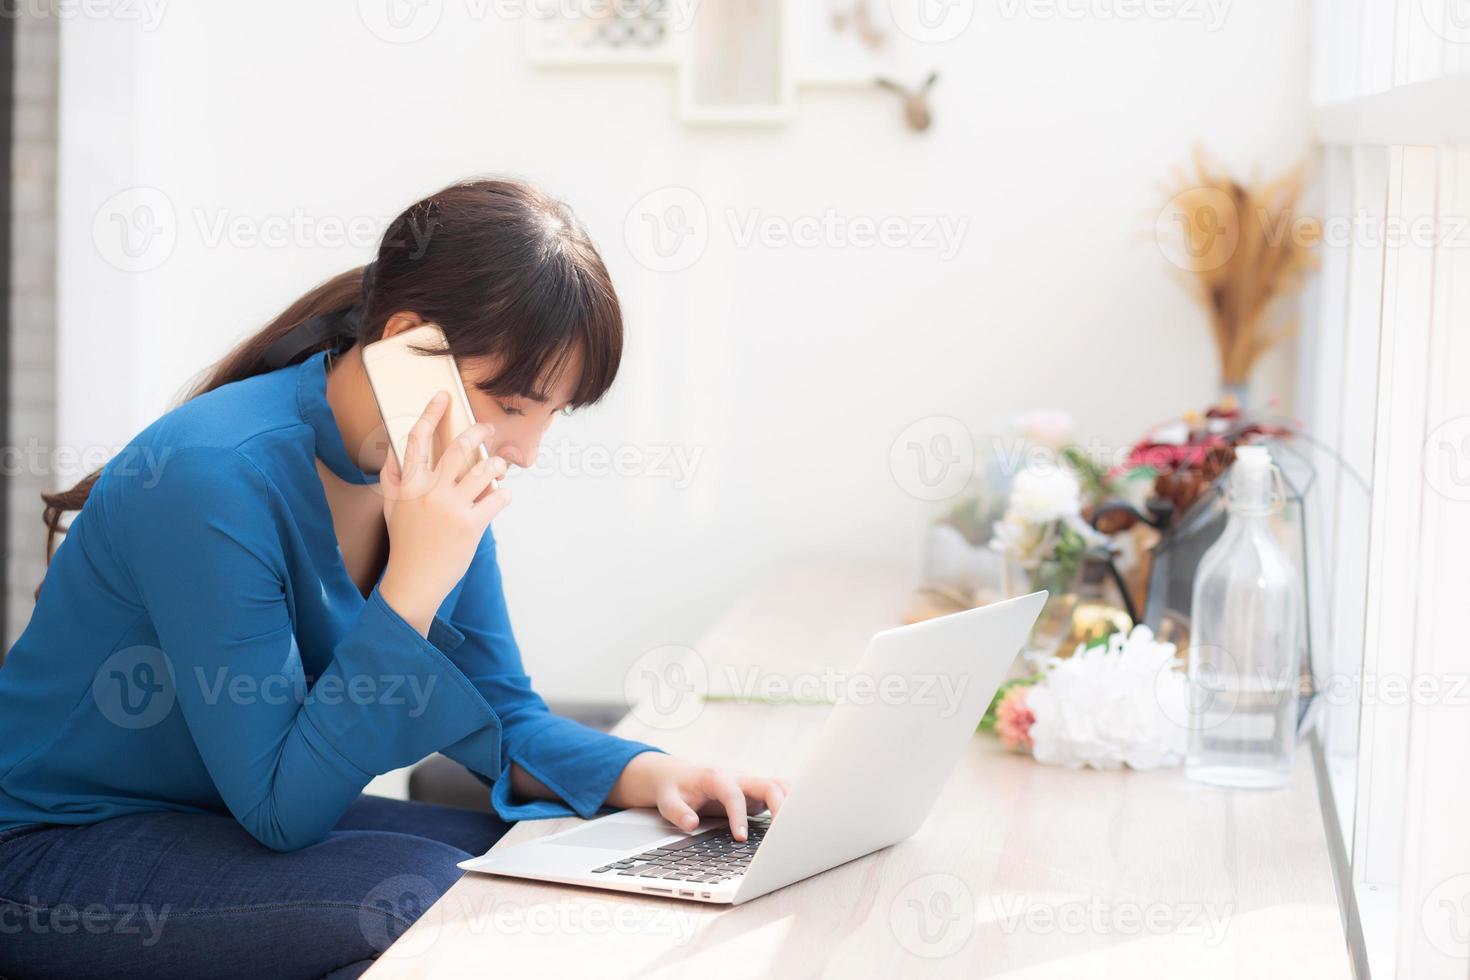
[(736, 65), (647, 35)]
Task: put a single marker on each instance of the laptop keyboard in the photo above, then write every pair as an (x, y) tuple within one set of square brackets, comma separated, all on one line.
[(711, 857)]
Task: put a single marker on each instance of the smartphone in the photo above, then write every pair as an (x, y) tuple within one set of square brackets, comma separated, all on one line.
[(404, 380)]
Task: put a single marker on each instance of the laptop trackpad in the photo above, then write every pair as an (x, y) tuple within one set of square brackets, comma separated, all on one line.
[(614, 835)]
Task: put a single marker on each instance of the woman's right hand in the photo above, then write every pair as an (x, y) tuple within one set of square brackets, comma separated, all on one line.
[(435, 520)]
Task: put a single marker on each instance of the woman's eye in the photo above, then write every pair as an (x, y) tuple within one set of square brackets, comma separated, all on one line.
[(511, 410)]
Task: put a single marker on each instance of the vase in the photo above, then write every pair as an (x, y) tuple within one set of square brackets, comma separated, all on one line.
[(1238, 390), (1054, 625)]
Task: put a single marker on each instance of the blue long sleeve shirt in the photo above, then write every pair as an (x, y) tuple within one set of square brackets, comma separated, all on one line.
[(199, 645)]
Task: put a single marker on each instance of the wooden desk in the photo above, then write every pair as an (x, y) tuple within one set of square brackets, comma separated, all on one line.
[(1022, 870)]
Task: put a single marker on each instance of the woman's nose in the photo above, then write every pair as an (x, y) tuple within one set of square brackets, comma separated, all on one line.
[(516, 454)]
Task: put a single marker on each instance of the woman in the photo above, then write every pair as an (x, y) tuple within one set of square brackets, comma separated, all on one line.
[(256, 612)]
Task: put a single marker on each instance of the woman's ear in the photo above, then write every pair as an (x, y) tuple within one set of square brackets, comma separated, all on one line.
[(401, 321)]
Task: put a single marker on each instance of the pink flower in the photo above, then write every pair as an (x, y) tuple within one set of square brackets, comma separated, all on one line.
[(1013, 719)]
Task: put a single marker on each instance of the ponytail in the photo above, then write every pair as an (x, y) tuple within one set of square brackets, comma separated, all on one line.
[(247, 360)]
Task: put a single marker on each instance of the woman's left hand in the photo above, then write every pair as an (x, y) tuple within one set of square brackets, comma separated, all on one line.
[(683, 790)]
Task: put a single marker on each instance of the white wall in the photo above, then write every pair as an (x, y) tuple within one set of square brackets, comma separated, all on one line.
[(791, 370)]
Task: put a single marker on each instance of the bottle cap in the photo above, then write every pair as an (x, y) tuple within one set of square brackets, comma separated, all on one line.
[(1255, 486), (1253, 457)]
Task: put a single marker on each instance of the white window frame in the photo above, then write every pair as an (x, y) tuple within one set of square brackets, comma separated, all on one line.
[(1385, 369)]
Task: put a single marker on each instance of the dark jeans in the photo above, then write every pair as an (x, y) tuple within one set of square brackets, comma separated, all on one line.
[(191, 895)]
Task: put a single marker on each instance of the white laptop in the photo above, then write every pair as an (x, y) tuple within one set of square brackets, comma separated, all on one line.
[(875, 772)]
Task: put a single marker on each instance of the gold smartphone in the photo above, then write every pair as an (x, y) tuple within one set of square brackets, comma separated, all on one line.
[(403, 382)]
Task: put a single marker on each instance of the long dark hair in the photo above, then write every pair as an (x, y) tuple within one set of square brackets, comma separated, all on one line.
[(503, 268)]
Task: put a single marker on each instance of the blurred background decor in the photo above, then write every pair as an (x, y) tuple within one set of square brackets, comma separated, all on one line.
[(1117, 701), (738, 67), (1242, 251), (1184, 463), (1045, 539), (847, 42), (740, 61), (916, 112), (1024, 525), (642, 33)]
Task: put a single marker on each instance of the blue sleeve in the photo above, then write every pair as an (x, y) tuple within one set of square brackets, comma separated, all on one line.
[(577, 763), (204, 552)]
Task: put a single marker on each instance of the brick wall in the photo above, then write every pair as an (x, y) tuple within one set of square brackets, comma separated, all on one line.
[(32, 309)]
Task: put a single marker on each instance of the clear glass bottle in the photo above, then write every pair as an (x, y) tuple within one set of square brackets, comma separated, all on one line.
[(1244, 649)]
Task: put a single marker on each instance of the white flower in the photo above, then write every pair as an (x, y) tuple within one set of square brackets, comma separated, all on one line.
[(1171, 434), (1043, 495), (1110, 707), (1046, 427)]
